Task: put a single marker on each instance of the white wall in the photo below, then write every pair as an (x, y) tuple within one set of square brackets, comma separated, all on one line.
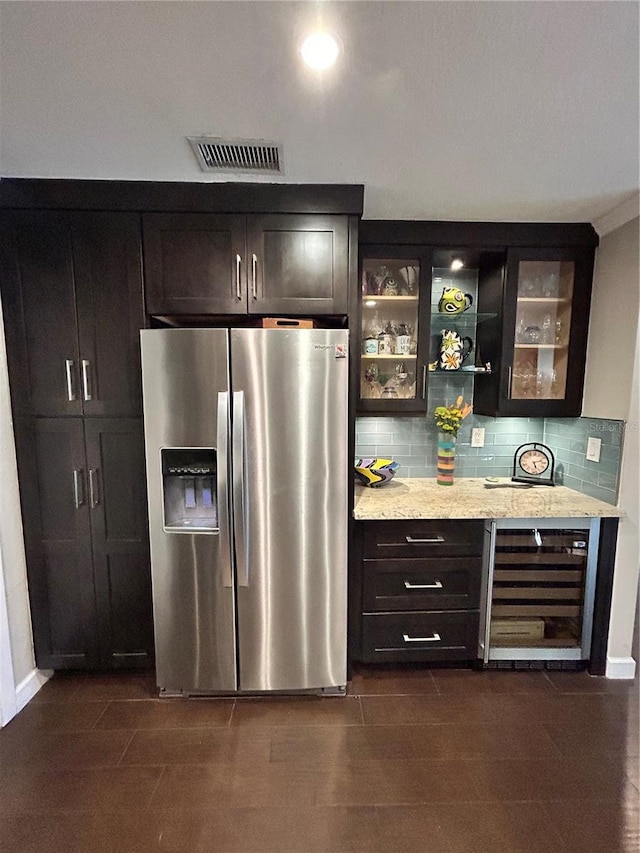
[(615, 306), (625, 585), (12, 558), (612, 391)]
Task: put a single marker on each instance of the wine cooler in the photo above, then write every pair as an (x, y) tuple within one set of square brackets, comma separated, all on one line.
[(538, 599)]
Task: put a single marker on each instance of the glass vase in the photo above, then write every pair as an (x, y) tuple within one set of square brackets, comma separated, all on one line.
[(446, 458)]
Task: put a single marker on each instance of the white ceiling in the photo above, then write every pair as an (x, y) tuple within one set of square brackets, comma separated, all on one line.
[(443, 110)]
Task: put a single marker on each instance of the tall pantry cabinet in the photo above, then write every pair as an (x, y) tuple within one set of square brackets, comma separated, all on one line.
[(71, 287)]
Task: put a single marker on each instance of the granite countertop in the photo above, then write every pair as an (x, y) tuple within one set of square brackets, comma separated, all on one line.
[(469, 497)]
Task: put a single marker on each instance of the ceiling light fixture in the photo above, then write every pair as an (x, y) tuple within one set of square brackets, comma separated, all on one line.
[(320, 50), (456, 264)]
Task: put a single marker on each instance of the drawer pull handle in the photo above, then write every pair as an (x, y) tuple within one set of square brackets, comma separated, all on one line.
[(434, 638), (434, 541), (436, 585)]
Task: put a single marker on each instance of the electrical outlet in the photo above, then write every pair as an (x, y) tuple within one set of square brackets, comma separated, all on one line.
[(477, 437), (593, 449)]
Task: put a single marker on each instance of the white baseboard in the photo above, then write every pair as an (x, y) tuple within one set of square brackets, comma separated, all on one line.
[(621, 668), (29, 686)]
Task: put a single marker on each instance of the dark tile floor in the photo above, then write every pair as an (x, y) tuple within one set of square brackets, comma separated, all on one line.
[(441, 761)]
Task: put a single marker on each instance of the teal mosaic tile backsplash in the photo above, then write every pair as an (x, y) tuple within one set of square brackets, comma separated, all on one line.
[(567, 437), (412, 441)]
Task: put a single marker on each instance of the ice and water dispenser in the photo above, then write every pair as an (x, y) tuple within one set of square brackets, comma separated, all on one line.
[(189, 484)]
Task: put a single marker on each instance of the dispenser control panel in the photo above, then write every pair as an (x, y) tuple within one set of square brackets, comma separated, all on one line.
[(189, 482)]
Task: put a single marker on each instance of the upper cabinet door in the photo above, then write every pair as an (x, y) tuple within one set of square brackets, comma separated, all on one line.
[(39, 305), (394, 328), (297, 264), (545, 318), (108, 273), (194, 263)]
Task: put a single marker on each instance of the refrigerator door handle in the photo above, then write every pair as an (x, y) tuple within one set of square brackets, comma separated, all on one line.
[(223, 489), (239, 489)]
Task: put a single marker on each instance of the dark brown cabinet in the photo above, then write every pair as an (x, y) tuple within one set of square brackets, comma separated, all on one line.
[(394, 328), (87, 544), (418, 588), (529, 291), (220, 264), (73, 309), (538, 339), (72, 299)]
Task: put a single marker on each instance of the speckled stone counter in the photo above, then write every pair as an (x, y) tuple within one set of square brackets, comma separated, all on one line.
[(470, 498)]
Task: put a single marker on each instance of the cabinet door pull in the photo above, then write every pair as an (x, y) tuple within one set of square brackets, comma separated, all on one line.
[(433, 541), (78, 488), (238, 266), (434, 638), (424, 382), (68, 371), (509, 380), (86, 383), (436, 585), (94, 488), (254, 276)]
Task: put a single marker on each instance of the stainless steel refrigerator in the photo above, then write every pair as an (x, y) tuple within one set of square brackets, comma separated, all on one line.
[(247, 472)]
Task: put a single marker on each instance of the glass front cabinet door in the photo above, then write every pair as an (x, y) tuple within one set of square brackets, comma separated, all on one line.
[(545, 314), (394, 329)]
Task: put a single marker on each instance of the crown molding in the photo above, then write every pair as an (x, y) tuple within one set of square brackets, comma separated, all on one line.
[(619, 216)]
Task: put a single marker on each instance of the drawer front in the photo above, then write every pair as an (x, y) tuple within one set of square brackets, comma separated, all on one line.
[(451, 583), (434, 538), (388, 637)]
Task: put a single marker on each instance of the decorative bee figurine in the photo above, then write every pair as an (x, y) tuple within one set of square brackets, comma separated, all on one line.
[(454, 301)]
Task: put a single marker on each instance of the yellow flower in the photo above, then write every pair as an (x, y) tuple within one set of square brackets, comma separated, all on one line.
[(449, 418)]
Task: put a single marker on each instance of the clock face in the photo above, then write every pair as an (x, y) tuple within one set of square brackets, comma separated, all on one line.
[(534, 462)]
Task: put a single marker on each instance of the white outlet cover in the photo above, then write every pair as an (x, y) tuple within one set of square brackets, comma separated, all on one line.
[(477, 437), (593, 449)]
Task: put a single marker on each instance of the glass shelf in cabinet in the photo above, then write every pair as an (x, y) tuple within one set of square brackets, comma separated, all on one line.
[(539, 346), (370, 297), (555, 300), (463, 315), (389, 355), (463, 371)]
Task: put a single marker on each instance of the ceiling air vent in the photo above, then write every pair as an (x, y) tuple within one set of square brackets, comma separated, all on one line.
[(253, 156)]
